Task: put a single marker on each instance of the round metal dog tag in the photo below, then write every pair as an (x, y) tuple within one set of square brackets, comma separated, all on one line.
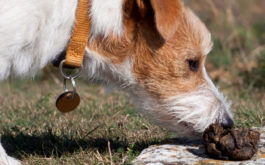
[(67, 101)]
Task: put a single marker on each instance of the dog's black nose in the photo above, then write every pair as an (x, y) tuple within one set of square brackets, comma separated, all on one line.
[(227, 123)]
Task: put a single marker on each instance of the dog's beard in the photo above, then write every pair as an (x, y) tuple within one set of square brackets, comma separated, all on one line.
[(186, 114), (199, 108)]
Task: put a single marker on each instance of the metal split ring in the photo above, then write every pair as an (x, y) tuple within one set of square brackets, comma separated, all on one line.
[(69, 77)]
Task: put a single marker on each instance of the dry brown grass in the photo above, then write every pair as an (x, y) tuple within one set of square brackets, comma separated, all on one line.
[(238, 30)]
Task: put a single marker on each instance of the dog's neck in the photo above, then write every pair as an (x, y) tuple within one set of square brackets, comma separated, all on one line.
[(43, 30), (101, 25)]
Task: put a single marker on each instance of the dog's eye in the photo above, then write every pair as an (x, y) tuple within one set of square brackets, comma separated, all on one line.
[(193, 64)]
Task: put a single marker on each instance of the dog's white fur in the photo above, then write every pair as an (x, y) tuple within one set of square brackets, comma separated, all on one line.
[(33, 32), (99, 68), (106, 17)]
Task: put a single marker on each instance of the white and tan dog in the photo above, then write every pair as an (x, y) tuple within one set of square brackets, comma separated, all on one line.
[(153, 49)]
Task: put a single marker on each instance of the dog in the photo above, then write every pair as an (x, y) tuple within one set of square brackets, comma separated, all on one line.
[(153, 49)]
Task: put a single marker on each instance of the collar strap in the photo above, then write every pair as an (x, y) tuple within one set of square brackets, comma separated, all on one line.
[(76, 48)]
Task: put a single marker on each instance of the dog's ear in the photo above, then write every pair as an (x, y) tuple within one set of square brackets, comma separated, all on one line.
[(164, 12), (166, 15)]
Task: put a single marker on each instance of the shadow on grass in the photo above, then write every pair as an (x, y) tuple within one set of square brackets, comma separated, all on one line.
[(50, 145)]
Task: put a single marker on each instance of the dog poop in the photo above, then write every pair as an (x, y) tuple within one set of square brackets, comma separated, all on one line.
[(230, 144)]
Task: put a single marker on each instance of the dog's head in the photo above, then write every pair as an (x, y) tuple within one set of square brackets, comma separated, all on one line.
[(156, 50)]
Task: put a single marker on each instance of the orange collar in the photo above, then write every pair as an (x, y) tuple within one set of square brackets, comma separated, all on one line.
[(76, 48)]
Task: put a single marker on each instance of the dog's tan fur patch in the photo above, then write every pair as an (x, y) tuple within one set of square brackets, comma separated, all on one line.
[(160, 63)]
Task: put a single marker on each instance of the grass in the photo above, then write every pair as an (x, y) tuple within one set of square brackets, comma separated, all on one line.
[(105, 129), (36, 133)]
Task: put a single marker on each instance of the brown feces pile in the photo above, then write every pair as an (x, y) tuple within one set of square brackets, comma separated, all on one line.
[(230, 144)]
